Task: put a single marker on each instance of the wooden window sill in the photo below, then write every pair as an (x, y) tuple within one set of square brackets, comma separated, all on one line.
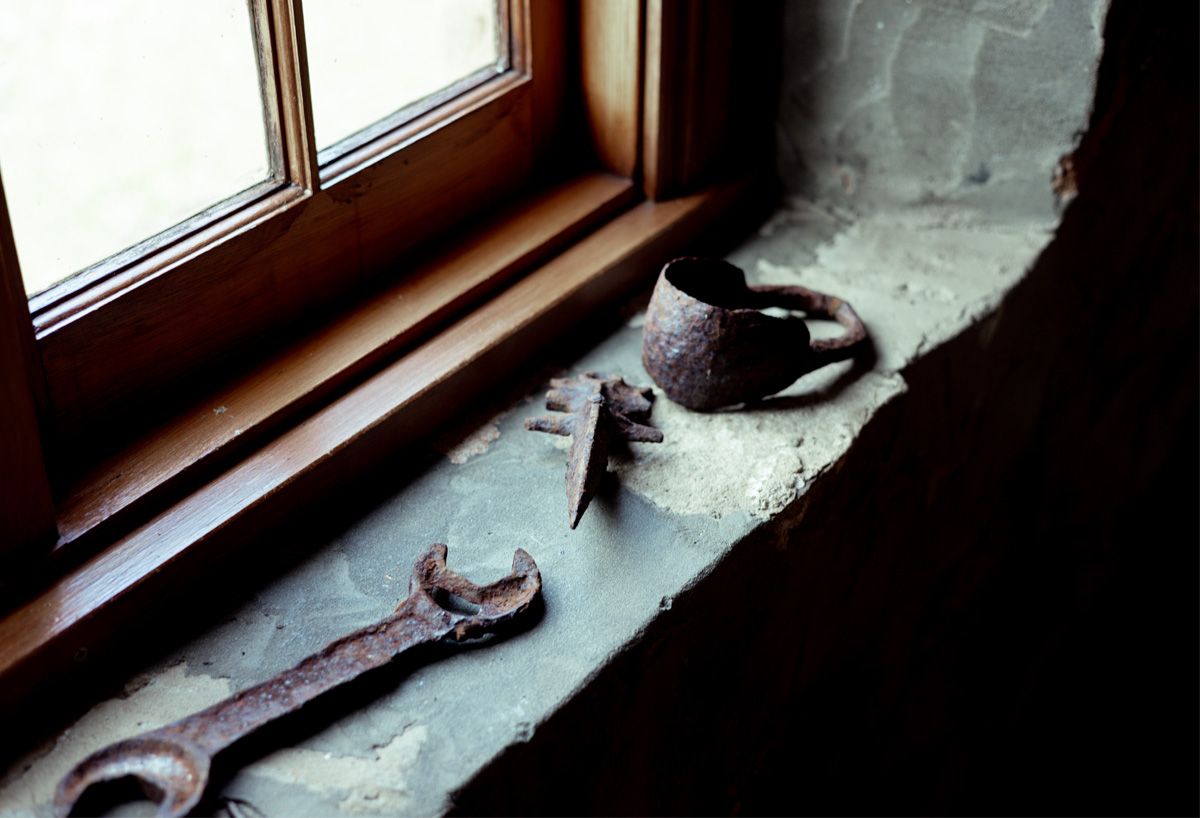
[(182, 453), (334, 405)]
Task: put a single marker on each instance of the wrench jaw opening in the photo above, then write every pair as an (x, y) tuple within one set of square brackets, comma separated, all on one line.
[(171, 771), (487, 606)]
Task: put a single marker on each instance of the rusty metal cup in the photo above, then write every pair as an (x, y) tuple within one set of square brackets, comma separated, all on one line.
[(707, 345)]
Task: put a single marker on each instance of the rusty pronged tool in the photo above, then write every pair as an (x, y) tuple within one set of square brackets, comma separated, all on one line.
[(598, 408), (172, 762)]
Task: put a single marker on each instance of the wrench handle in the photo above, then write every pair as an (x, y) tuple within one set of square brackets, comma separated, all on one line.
[(416, 622)]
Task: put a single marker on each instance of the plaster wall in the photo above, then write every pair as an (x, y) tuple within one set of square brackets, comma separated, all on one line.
[(972, 102)]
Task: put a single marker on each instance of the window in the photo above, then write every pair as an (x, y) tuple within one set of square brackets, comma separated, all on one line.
[(373, 63), (241, 363), (127, 327), (98, 151)]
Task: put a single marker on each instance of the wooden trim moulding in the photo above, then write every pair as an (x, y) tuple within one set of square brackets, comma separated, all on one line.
[(544, 53), (84, 611), (611, 73), (287, 78), (687, 103), (108, 499)]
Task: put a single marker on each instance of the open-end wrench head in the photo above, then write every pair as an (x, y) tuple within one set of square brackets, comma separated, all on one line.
[(171, 771), (494, 604)]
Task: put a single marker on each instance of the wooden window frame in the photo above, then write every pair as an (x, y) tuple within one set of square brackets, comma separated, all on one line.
[(123, 330), (383, 372)]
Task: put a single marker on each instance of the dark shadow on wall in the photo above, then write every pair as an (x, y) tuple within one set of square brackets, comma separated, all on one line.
[(993, 608)]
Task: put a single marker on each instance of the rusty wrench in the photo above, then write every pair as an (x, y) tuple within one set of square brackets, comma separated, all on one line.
[(172, 762)]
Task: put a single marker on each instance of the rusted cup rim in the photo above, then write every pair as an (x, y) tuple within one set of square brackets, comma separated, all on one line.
[(707, 344)]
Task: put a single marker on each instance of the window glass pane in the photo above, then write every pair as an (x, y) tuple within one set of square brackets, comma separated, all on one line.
[(119, 119), (368, 59)]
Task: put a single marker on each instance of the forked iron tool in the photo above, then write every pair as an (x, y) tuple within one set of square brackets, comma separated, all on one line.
[(172, 762), (594, 410)]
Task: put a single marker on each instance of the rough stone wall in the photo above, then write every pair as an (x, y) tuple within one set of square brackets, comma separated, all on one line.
[(888, 103)]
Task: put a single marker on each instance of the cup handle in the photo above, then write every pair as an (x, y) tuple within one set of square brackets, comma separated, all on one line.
[(817, 305)]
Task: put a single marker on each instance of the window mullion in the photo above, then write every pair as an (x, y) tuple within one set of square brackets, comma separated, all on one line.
[(26, 503), (283, 72)]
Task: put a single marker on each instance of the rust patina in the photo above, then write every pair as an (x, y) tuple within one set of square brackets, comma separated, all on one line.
[(172, 763), (707, 345), (596, 408)]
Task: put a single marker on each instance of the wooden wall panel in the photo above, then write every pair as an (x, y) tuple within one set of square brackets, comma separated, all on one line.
[(689, 66)]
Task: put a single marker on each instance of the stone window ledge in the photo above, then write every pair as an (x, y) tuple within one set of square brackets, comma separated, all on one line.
[(688, 527)]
